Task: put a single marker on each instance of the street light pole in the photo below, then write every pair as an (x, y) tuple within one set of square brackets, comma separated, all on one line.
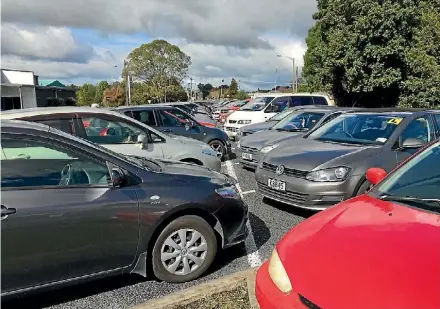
[(276, 79), (293, 71)]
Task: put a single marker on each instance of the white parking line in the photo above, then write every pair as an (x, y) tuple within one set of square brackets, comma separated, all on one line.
[(254, 258), (247, 192)]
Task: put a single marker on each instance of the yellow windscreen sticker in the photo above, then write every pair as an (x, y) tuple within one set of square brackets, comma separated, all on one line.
[(395, 121)]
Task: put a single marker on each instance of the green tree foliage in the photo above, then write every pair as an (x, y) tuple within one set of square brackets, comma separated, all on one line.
[(86, 94), (158, 65), (99, 94), (115, 95), (205, 89), (375, 53), (241, 95), (233, 88)]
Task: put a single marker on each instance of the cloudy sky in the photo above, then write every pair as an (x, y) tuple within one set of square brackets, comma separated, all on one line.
[(79, 41)]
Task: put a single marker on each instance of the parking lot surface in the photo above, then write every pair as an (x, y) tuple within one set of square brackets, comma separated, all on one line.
[(269, 222)]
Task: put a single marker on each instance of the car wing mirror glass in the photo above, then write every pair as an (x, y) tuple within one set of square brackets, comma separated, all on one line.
[(412, 143)]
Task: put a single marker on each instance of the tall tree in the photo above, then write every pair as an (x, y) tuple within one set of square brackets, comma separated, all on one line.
[(233, 88), (100, 88), (363, 51), (115, 95), (86, 94), (205, 89), (157, 64)]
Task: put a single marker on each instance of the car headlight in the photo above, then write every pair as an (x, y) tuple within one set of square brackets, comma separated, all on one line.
[(228, 192), (244, 121), (330, 174), (268, 148), (278, 274), (209, 152)]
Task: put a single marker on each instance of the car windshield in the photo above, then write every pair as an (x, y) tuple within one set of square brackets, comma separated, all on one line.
[(281, 115), (257, 104), (417, 182), (298, 121), (360, 129)]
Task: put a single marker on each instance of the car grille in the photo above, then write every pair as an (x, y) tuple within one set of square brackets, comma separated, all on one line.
[(231, 129), (286, 197), (249, 149), (232, 121), (287, 171), (308, 303)]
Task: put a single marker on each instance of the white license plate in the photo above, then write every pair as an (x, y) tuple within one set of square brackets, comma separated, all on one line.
[(276, 184), (246, 156)]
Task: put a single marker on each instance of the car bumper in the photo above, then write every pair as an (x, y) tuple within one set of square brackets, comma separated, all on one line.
[(232, 129), (212, 163), (270, 297), (234, 221), (248, 162), (306, 194)]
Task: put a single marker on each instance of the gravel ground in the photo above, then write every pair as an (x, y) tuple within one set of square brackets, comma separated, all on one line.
[(269, 223)]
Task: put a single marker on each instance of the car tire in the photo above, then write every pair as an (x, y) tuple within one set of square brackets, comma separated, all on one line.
[(219, 147), (363, 188), (172, 232)]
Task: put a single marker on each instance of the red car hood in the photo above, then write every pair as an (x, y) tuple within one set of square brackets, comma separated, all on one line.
[(366, 253)]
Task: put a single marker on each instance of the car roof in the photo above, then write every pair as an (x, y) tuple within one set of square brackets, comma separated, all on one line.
[(393, 110), (143, 107), (37, 111)]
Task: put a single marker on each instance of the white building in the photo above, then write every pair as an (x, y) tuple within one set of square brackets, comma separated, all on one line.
[(17, 89)]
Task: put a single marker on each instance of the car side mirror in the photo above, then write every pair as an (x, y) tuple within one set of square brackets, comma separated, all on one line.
[(142, 139), (118, 177), (270, 109), (412, 143), (375, 175)]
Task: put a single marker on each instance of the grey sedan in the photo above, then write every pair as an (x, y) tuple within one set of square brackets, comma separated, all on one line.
[(251, 148), (329, 164)]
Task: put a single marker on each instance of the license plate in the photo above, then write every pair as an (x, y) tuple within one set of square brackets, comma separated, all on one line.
[(246, 156), (276, 184)]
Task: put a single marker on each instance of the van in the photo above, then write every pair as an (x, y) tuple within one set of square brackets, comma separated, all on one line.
[(263, 107)]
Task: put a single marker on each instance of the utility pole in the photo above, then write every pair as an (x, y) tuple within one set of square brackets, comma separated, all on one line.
[(191, 89), (294, 71), (221, 89), (129, 89), (276, 79), (126, 83)]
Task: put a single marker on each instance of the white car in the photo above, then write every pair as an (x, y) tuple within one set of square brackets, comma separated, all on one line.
[(120, 133), (262, 108)]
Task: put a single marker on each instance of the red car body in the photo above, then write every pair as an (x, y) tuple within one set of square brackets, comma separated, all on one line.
[(363, 253)]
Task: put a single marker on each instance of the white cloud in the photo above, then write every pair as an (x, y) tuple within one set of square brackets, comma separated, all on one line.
[(240, 23), (40, 42), (225, 39)]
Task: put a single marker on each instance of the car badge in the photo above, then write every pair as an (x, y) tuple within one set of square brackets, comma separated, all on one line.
[(280, 170)]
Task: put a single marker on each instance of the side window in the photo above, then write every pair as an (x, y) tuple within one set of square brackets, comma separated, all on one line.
[(35, 163), (111, 130), (421, 128), (64, 124), (169, 119), (280, 104), (301, 100), (331, 117), (145, 116), (437, 119), (320, 101)]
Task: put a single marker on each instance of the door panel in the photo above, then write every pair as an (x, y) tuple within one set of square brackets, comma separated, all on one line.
[(59, 234)]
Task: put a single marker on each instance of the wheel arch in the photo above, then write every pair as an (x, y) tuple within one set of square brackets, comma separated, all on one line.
[(144, 263)]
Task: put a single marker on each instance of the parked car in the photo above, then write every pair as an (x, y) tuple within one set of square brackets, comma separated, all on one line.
[(264, 107), (328, 165), (169, 119), (252, 148), (269, 123), (201, 116), (73, 210), (120, 133), (373, 251), (229, 109)]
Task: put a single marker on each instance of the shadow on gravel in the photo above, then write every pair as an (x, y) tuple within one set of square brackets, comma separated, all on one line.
[(231, 156), (290, 209), (260, 230), (63, 295)]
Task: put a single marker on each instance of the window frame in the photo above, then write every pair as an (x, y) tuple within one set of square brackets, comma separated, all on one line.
[(55, 142), (143, 111), (399, 141)]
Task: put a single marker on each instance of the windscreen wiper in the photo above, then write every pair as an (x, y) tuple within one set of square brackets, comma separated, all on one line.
[(430, 202)]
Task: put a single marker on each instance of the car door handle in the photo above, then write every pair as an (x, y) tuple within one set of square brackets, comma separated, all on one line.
[(167, 130), (22, 156), (5, 211)]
